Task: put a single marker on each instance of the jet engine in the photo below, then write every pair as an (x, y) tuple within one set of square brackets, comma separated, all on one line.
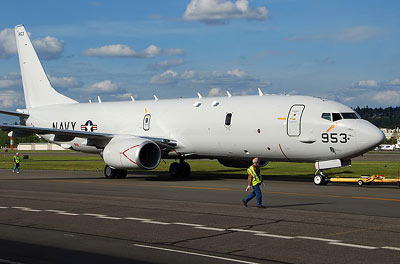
[(240, 163), (132, 153)]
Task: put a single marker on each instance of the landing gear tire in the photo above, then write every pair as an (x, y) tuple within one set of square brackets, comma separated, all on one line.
[(109, 172), (121, 174), (174, 169), (181, 169), (319, 180)]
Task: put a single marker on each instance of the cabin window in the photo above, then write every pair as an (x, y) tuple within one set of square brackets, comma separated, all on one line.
[(228, 119), (336, 117), (326, 116), (349, 115)]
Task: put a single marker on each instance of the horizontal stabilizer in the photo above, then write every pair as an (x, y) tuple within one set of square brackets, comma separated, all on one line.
[(13, 113)]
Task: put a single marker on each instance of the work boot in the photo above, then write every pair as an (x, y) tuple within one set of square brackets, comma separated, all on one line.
[(244, 203)]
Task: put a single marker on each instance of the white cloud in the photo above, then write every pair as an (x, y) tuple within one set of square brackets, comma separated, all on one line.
[(10, 99), (387, 97), (368, 83), (118, 50), (8, 83), (237, 73), (65, 82), (7, 43), (166, 77), (215, 92), (48, 48), (124, 96), (103, 87), (218, 11), (395, 82)]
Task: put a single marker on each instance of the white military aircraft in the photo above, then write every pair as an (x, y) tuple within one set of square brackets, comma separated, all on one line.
[(138, 134)]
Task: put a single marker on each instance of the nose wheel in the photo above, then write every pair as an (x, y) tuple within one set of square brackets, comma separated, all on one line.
[(320, 178), (181, 169)]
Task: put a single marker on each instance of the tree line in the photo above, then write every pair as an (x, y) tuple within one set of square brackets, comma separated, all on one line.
[(388, 117)]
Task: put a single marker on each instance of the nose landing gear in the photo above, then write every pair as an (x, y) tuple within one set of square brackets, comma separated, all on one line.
[(320, 178), (181, 169)]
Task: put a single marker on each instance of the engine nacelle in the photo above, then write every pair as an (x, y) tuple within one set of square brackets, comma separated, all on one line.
[(132, 153), (240, 163)]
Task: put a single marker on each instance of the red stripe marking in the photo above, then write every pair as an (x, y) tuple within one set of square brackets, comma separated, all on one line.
[(283, 152), (123, 153)]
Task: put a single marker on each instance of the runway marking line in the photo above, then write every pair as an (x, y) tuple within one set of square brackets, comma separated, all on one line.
[(210, 228), (274, 236), (392, 248), (155, 222), (70, 181), (318, 239), (246, 230), (187, 224), (3, 207), (351, 245), (195, 254), (137, 219)]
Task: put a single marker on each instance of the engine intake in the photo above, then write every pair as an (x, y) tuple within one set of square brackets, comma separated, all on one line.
[(132, 153)]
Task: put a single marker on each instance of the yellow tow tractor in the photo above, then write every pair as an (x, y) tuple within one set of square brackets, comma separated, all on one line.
[(367, 179)]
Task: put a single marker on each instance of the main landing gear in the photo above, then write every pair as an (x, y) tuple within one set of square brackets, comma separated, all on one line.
[(320, 178), (111, 173), (181, 169)]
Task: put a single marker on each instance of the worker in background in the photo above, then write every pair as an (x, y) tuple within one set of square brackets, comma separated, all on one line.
[(16, 161), (254, 180)]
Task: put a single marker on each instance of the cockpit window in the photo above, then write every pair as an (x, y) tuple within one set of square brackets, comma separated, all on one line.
[(336, 117), (350, 116), (326, 116)]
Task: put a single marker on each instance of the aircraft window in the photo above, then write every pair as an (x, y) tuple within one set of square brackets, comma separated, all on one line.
[(349, 115), (336, 116), (326, 116), (228, 119)]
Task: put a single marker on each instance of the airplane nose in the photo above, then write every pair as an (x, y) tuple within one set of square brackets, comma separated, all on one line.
[(369, 136)]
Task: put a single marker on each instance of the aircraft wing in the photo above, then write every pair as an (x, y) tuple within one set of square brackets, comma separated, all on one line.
[(68, 135)]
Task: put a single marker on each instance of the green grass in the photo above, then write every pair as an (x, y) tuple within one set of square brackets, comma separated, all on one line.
[(46, 160)]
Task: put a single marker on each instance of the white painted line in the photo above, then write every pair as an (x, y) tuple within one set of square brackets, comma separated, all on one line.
[(65, 213), (31, 210), (318, 239), (196, 254), (96, 215), (55, 211), (351, 245), (392, 248), (9, 261), (275, 236), (137, 219), (3, 207), (18, 207), (109, 217), (247, 230), (155, 222), (210, 228), (187, 224)]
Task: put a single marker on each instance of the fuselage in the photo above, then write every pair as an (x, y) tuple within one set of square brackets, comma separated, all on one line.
[(272, 127)]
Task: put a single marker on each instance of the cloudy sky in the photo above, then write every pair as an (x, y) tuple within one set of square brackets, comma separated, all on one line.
[(347, 51)]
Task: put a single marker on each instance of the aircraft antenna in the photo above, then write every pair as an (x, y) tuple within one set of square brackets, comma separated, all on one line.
[(228, 93), (90, 101), (98, 98), (132, 98), (155, 97), (260, 93), (199, 95)]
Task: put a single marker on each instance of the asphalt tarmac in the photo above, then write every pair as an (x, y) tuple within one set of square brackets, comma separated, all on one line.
[(81, 217)]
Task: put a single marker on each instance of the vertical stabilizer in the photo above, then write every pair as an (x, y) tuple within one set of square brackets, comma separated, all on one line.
[(37, 88)]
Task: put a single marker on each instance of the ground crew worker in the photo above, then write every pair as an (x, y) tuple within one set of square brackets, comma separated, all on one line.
[(254, 180), (16, 161)]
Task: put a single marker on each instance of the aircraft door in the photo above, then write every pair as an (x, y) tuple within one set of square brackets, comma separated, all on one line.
[(294, 120)]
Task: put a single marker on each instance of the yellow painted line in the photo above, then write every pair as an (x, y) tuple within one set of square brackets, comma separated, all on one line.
[(332, 126), (376, 198), (204, 188), (281, 118)]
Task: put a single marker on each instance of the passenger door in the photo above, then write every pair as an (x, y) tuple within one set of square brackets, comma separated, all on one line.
[(294, 120)]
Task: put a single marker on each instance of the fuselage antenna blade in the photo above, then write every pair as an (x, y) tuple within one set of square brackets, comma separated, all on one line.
[(132, 98), (98, 98), (260, 93), (199, 95), (155, 97), (229, 94)]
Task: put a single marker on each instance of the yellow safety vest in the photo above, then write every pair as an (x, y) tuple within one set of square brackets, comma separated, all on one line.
[(257, 178), (16, 159)]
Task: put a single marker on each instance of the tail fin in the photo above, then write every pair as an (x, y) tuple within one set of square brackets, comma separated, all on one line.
[(37, 88)]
